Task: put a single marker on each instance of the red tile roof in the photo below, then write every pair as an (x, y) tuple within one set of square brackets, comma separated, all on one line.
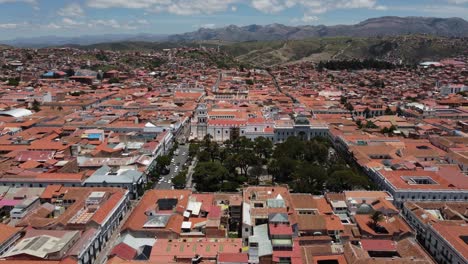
[(124, 251), (233, 257), (106, 208), (378, 245), (280, 229), (7, 232)]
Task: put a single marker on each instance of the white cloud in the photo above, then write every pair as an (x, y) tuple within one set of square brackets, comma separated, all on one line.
[(447, 10), (208, 26), (305, 19), (187, 7), (71, 10), (112, 23), (142, 22), (53, 26), (190, 7), (322, 6), (435, 10), (9, 26), (309, 18), (137, 4), (458, 2), (105, 23), (33, 2), (381, 8), (68, 22), (269, 6)]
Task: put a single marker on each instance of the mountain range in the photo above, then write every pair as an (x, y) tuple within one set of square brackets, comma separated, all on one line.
[(381, 26), (49, 41)]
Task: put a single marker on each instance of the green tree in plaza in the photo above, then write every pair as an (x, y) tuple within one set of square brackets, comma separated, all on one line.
[(308, 167), (194, 149), (342, 180), (204, 156), (210, 147), (285, 169), (255, 172), (263, 147), (180, 180), (209, 176), (309, 178), (162, 162), (292, 148)]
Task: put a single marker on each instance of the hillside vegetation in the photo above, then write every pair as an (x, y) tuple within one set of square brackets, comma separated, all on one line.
[(407, 49)]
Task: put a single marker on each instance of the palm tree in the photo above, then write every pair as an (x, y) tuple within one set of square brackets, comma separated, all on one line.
[(375, 219)]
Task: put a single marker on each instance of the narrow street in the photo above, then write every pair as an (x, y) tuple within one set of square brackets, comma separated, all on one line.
[(191, 168), (102, 256), (176, 166)]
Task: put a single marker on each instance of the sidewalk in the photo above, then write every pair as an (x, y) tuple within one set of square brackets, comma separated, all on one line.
[(191, 168)]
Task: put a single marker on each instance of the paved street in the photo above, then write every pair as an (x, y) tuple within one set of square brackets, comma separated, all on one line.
[(101, 258), (179, 161), (191, 168)]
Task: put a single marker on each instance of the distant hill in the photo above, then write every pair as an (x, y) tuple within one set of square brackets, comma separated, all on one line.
[(404, 49), (382, 26), (51, 41), (133, 46), (407, 49)]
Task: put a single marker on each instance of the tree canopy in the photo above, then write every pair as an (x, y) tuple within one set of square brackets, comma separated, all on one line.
[(162, 162), (180, 179), (209, 176), (306, 166)]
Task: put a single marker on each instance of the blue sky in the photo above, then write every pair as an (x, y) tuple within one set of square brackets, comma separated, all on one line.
[(29, 18)]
